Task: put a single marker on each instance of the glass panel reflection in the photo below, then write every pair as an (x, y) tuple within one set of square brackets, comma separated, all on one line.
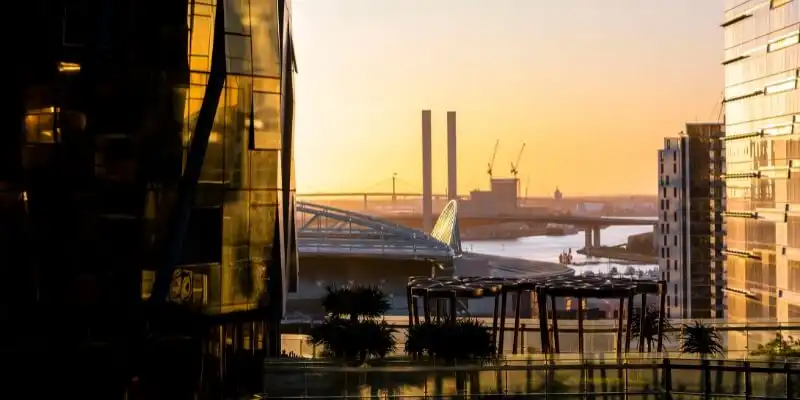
[(236, 163), (446, 227), (760, 156)]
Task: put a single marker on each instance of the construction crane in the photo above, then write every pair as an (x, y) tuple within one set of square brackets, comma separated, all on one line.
[(515, 165), (491, 163)]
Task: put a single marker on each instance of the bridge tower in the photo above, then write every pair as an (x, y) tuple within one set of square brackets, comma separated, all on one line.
[(427, 174), (452, 154)]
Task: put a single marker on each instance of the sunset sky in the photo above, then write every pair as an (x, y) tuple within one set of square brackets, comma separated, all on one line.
[(591, 86)]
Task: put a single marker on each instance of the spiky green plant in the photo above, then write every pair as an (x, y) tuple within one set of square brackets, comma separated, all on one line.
[(651, 320), (700, 338)]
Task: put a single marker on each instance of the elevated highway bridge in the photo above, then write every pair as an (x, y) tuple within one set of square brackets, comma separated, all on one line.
[(415, 220), (590, 225)]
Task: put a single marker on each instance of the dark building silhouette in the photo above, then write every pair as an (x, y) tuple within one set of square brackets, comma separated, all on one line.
[(105, 103)]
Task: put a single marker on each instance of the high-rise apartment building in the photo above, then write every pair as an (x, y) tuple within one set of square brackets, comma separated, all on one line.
[(108, 98), (762, 112), (689, 203)]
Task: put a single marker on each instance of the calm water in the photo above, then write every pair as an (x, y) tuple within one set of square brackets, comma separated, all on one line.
[(547, 248)]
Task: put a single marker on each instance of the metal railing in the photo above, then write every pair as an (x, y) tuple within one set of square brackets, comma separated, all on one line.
[(738, 339), (559, 377)]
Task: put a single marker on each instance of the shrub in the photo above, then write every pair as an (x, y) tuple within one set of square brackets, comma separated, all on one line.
[(351, 329), (467, 339), (355, 302), (779, 347)]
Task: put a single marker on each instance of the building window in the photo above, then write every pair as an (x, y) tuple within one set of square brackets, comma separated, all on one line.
[(778, 3), (676, 265), (667, 252), (675, 192), (674, 168), (675, 239), (794, 276), (783, 42), (782, 86), (40, 126), (675, 216), (667, 204), (779, 130)]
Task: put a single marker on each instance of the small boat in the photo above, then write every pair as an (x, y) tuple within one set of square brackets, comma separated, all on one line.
[(565, 257)]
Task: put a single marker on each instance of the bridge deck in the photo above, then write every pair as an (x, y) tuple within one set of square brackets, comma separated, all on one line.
[(335, 232), (584, 221)]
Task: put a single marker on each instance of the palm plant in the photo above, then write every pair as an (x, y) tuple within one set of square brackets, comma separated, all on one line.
[(700, 339), (351, 329), (650, 331)]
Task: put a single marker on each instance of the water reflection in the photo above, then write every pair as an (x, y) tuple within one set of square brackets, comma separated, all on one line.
[(548, 248), (602, 374)]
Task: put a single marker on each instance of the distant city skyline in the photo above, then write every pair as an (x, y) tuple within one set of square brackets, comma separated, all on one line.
[(591, 87)]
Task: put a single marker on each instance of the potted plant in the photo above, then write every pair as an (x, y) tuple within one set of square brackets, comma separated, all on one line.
[(704, 340)]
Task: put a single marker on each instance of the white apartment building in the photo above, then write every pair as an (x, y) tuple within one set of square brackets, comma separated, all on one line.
[(688, 239), (671, 224)]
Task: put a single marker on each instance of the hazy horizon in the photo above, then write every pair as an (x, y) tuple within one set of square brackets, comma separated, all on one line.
[(591, 87)]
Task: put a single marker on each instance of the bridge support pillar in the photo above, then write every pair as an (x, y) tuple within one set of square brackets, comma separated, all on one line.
[(596, 234), (588, 241), (365, 201)]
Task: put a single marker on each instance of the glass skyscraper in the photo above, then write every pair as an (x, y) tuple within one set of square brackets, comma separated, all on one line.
[(108, 97), (762, 177)]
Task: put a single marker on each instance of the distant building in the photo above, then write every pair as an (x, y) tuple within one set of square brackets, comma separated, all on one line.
[(557, 195), (589, 209), (501, 199), (689, 235)]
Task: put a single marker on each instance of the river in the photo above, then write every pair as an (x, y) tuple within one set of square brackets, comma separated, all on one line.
[(547, 248)]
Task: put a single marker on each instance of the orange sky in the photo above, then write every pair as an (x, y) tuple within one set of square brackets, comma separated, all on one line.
[(591, 86)]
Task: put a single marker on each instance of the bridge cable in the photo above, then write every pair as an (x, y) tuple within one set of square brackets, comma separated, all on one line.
[(378, 184), (407, 185)]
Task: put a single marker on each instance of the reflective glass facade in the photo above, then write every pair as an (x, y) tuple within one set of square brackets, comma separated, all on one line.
[(762, 152), (108, 101)]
